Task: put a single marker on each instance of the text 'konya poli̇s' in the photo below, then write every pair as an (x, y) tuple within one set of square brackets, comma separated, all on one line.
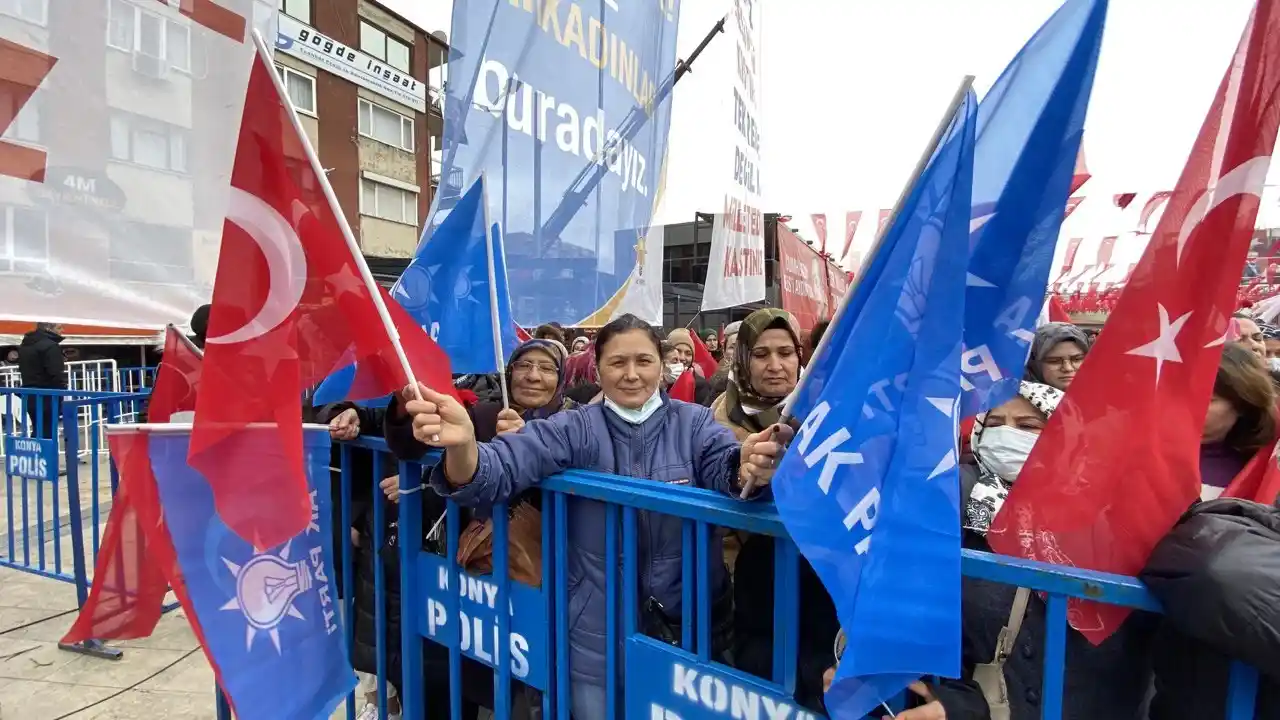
[(534, 112)]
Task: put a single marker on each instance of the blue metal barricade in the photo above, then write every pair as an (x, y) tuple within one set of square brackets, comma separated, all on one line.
[(52, 526), (520, 632)]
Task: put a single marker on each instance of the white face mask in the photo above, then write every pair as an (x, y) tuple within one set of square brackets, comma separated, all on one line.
[(1273, 364), (675, 370), (636, 416), (1004, 450)]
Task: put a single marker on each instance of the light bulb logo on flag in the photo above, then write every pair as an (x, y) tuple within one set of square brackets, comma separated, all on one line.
[(266, 587)]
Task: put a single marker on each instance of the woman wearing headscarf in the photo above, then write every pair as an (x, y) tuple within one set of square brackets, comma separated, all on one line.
[(765, 368), (720, 380), (636, 431), (678, 356), (1109, 681), (535, 383), (1057, 352)]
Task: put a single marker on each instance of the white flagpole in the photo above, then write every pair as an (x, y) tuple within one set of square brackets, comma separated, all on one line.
[(370, 284), (495, 323)]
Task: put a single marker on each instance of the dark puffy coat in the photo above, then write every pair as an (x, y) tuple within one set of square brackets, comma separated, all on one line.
[(1107, 682), (1218, 576), (40, 360)]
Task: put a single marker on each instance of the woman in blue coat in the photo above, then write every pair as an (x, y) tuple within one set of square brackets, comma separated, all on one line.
[(636, 431)]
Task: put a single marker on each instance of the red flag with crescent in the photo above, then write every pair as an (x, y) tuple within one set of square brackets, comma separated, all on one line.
[(176, 378), (127, 597), (1114, 470), (290, 298), (820, 227), (851, 220)]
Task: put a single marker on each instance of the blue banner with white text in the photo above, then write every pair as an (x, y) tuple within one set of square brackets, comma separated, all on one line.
[(565, 107)]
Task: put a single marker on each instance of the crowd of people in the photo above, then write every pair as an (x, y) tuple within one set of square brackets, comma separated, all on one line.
[(598, 401)]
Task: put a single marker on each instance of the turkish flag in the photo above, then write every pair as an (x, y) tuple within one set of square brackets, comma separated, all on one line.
[(290, 298), (703, 358), (820, 227), (130, 583), (1118, 463), (683, 387), (176, 378), (523, 335), (1081, 174), (851, 220)]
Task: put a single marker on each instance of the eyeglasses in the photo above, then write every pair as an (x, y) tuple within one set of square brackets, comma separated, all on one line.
[(527, 367), (1062, 362)]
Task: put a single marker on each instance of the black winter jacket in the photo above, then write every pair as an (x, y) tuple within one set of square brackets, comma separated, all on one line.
[(40, 360), (1218, 576)]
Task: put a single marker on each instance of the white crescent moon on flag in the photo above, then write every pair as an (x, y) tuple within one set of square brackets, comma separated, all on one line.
[(1247, 178), (286, 264)]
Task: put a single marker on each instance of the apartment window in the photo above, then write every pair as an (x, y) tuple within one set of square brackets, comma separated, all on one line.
[(387, 48), (148, 142), (25, 125), (301, 88), (132, 29), (24, 239), (33, 11), (388, 202), (157, 254), (297, 9), (385, 125)]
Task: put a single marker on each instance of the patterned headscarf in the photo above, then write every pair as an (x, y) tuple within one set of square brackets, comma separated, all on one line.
[(556, 351), (745, 406), (990, 490)]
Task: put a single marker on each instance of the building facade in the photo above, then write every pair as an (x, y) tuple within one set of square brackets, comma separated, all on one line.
[(359, 76)]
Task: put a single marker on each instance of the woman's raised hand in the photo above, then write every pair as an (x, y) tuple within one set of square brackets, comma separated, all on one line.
[(439, 420)]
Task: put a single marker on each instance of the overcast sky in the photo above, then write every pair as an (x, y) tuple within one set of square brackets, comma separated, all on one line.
[(852, 89)]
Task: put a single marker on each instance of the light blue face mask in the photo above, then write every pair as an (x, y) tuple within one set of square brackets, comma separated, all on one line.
[(636, 416)]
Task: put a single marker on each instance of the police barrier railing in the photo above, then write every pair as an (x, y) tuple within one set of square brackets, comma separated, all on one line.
[(520, 633), (46, 518)]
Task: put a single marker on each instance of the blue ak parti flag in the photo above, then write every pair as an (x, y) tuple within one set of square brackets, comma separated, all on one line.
[(1029, 130), (446, 290), (268, 617), (446, 287), (869, 488)]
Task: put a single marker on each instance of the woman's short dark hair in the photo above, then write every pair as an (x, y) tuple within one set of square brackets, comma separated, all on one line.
[(626, 323), (1244, 382)]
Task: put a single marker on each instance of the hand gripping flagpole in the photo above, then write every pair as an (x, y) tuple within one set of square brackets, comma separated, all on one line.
[(370, 284), (965, 84)]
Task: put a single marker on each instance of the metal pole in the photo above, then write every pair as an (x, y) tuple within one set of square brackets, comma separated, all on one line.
[(581, 188)]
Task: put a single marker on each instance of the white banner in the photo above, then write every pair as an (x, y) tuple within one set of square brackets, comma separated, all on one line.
[(119, 122), (643, 296), (308, 45), (735, 270)]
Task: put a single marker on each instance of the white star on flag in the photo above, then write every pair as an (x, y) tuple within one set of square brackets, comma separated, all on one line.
[(1165, 347), (951, 408)]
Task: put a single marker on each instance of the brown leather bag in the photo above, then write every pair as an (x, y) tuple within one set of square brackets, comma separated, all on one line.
[(524, 546)]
